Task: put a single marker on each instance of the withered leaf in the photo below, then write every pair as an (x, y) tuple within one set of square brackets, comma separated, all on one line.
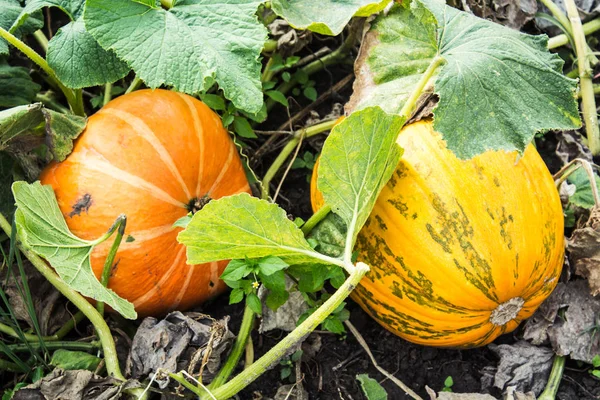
[(584, 251), (570, 333)]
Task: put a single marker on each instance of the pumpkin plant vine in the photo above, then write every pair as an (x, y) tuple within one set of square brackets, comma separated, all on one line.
[(429, 52)]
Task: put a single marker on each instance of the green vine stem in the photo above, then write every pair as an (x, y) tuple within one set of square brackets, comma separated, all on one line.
[(270, 46), (61, 333), (108, 343), (571, 167), (268, 73), (72, 98), (334, 57), (236, 351), (11, 367), (135, 84), (315, 219), (289, 147), (558, 366), (107, 93), (48, 100), (562, 39), (588, 100), (557, 13), (293, 338), (564, 21), (167, 4), (41, 39), (81, 346), (120, 223), (410, 104)]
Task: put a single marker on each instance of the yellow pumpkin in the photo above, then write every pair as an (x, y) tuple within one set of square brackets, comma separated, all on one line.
[(461, 251)]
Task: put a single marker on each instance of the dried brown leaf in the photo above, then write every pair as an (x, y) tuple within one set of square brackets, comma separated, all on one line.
[(574, 332), (170, 344), (74, 385), (584, 251)]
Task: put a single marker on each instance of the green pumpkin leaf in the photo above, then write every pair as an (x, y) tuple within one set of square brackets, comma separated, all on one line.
[(371, 388), (72, 360), (583, 196), (358, 159), (497, 87), (42, 228), (241, 226), (73, 9), (328, 17), (93, 65), (23, 128), (17, 87), (11, 11), (189, 47)]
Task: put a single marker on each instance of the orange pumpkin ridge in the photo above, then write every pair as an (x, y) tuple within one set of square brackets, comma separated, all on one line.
[(461, 251), (151, 155)]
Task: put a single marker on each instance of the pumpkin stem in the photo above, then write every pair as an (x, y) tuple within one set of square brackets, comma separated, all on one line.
[(196, 204), (507, 311)]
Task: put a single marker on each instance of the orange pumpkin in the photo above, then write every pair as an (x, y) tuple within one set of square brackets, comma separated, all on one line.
[(153, 155), (461, 251)]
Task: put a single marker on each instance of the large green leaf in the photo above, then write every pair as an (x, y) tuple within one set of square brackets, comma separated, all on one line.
[(189, 46), (241, 227), (328, 17), (358, 159), (73, 53), (73, 8), (42, 227), (91, 66), (17, 86), (496, 89), (23, 128), (394, 54), (10, 10)]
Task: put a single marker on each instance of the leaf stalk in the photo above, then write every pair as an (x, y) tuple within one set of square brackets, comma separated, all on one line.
[(72, 99), (410, 104), (102, 329), (236, 351), (558, 366), (287, 150), (296, 336), (562, 39), (315, 219), (119, 225), (588, 100)]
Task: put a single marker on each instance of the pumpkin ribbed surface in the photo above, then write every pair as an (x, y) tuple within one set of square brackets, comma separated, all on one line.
[(148, 155), (461, 251)]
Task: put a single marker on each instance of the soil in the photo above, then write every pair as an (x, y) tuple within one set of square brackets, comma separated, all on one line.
[(331, 373)]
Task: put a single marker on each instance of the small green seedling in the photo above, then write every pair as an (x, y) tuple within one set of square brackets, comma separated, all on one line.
[(595, 366), (287, 366), (448, 384)]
